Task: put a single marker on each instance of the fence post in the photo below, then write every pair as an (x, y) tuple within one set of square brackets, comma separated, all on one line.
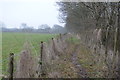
[(41, 50), (11, 66), (53, 45), (41, 57)]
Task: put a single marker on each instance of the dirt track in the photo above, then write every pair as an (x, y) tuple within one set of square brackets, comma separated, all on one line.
[(81, 71)]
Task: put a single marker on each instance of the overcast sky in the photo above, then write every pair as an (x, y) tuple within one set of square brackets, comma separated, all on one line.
[(32, 12)]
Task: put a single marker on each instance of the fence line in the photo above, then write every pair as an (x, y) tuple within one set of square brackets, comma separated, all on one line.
[(41, 52), (33, 48)]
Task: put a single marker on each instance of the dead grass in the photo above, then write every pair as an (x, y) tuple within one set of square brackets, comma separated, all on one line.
[(63, 66), (94, 68)]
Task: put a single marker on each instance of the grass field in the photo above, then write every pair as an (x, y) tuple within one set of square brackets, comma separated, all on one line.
[(13, 43), (0, 52)]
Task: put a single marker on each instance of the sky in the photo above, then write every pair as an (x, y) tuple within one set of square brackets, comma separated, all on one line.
[(31, 12)]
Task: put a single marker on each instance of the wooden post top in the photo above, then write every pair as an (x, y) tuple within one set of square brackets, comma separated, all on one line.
[(11, 54)]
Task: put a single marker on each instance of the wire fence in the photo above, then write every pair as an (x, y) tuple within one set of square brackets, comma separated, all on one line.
[(35, 51)]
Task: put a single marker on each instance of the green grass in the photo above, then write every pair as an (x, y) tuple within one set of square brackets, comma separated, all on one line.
[(73, 40), (0, 53), (13, 43)]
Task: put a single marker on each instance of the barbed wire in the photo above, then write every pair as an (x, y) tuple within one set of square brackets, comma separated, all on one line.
[(17, 54), (10, 50), (33, 48), (16, 40), (27, 38), (7, 59)]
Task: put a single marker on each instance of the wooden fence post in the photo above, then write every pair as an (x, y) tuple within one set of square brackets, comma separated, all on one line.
[(41, 50), (53, 45), (41, 57), (11, 66)]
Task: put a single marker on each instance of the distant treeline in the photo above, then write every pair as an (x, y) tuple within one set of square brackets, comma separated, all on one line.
[(55, 29)]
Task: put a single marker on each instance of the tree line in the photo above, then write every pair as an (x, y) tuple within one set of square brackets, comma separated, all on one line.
[(44, 28), (88, 16)]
